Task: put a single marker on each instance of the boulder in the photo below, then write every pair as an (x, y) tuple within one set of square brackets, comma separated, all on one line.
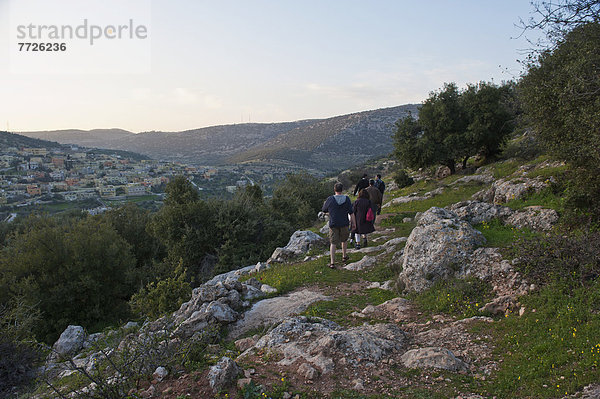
[(223, 374), (534, 218), (300, 242), (437, 248), (501, 305), (503, 191), (272, 311), (70, 341), (160, 373), (442, 172), (318, 342), (433, 357), (365, 263), (476, 212)]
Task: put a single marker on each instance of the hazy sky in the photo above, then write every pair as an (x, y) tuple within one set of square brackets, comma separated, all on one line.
[(222, 62)]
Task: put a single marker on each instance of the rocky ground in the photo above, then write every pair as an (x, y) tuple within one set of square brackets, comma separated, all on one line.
[(394, 348)]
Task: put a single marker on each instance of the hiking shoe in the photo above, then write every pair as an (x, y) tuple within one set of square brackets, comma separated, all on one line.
[(345, 259), (357, 246), (332, 265)]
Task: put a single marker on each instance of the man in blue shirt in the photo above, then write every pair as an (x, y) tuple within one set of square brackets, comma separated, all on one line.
[(339, 207)]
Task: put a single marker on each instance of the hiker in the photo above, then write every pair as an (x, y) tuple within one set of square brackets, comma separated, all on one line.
[(361, 208), (379, 184), (339, 206), (375, 197), (362, 183)]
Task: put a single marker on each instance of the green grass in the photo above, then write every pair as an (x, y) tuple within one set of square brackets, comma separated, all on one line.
[(339, 309), (498, 235), (552, 352), (456, 297), (448, 197), (546, 198), (287, 277), (506, 168)]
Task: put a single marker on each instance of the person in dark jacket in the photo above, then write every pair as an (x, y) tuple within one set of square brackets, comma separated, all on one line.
[(375, 197), (339, 207), (380, 185), (362, 183), (360, 208)]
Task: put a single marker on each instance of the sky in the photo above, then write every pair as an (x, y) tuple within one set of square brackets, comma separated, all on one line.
[(206, 63)]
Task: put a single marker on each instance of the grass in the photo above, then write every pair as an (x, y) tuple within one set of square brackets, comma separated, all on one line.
[(340, 308), (546, 198), (498, 235), (448, 197), (551, 352), (287, 277), (456, 297), (506, 168)]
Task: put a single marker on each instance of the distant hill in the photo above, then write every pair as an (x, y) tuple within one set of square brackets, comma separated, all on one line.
[(18, 140), (322, 144), (96, 138), (8, 140)]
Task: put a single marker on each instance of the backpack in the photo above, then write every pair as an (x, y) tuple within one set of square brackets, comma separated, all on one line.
[(370, 215)]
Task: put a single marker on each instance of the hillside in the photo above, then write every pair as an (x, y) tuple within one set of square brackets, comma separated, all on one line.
[(8, 140), (322, 144), (435, 306)]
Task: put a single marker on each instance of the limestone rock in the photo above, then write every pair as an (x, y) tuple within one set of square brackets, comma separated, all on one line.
[(318, 342), (307, 371), (70, 341), (501, 305), (437, 248), (476, 212), (274, 310), (433, 357), (365, 263), (223, 374), (505, 190), (300, 242), (535, 218), (160, 373), (442, 172)]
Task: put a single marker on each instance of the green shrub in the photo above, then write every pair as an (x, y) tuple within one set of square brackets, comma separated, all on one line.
[(573, 259), (163, 296), (402, 178)]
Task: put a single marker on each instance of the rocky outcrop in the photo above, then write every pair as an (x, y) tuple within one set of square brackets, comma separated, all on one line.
[(272, 311), (476, 212), (321, 343), (437, 248), (433, 357), (299, 244), (534, 218), (503, 191), (70, 342), (223, 374)]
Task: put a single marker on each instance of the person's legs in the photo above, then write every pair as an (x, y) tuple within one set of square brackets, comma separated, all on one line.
[(332, 252), (344, 248)]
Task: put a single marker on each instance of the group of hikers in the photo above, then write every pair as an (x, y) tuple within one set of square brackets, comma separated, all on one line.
[(354, 221)]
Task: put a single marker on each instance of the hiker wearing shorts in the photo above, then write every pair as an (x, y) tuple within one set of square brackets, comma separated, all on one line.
[(338, 206)]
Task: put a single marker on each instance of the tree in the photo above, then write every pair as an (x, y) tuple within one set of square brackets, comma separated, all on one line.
[(560, 95), (490, 116), (74, 271), (455, 125), (558, 17), (299, 198)]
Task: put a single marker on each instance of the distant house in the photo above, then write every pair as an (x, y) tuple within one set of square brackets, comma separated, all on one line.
[(135, 190), (34, 190), (108, 191)]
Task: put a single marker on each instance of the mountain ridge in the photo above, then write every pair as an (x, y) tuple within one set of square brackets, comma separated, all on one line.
[(324, 144)]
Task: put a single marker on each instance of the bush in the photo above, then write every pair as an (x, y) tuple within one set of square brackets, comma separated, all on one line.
[(17, 365), (572, 259), (163, 296), (402, 178)]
